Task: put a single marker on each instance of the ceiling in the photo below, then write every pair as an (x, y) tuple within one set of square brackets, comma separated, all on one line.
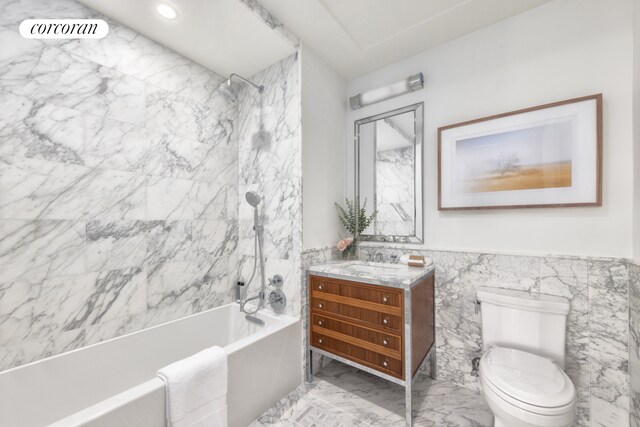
[(358, 36), (223, 35)]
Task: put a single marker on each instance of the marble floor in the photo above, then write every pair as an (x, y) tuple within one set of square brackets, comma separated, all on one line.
[(342, 396)]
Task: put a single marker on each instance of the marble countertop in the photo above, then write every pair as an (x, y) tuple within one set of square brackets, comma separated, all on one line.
[(392, 275)]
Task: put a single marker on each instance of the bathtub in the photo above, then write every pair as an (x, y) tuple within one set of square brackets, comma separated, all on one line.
[(113, 383)]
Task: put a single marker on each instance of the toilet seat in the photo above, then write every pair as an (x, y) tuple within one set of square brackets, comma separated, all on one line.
[(527, 381)]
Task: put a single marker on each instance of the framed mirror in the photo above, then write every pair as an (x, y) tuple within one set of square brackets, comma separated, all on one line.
[(388, 173)]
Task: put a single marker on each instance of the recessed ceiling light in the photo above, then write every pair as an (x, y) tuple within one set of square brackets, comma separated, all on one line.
[(166, 11)]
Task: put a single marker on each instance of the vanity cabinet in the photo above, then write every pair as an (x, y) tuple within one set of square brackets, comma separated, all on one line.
[(365, 324), (377, 317)]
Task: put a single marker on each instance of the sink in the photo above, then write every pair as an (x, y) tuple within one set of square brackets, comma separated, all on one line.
[(372, 266)]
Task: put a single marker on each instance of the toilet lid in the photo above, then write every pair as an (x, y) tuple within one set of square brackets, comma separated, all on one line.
[(527, 377)]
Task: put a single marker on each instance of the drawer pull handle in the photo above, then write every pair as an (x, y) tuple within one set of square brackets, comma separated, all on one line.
[(385, 342), (385, 363), (385, 298), (320, 305), (385, 321), (320, 322), (319, 287), (320, 340)]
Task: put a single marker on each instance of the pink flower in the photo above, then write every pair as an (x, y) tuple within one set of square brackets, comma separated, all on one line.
[(344, 244)]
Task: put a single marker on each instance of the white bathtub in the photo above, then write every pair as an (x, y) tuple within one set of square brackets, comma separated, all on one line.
[(113, 383)]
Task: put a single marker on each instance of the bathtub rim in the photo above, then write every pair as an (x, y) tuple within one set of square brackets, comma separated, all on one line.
[(155, 384), (282, 319)]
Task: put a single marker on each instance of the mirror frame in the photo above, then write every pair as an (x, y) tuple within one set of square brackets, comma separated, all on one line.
[(418, 175)]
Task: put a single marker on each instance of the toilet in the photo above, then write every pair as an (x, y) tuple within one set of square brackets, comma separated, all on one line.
[(522, 369)]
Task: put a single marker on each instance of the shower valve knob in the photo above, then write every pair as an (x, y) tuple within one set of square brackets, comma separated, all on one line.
[(276, 281)]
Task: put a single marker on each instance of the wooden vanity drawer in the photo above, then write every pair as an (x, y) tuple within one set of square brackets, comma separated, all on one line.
[(364, 337), (380, 362), (371, 318), (371, 293)]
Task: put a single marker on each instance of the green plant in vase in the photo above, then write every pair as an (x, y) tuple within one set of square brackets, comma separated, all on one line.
[(354, 219)]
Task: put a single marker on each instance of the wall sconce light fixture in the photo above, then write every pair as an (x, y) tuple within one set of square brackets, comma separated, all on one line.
[(410, 84)]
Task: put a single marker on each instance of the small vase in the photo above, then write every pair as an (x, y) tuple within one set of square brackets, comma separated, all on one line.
[(351, 251)]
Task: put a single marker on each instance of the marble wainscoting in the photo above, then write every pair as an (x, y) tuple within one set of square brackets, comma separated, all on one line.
[(312, 257), (118, 186), (270, 164), (634, 342), (597, 331)]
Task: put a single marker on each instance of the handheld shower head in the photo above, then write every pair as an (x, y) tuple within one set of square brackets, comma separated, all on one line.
[(252, 198)]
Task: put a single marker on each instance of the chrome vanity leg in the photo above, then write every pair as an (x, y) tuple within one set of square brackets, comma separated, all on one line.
[(408, 377), (308, 351), (309, 373)]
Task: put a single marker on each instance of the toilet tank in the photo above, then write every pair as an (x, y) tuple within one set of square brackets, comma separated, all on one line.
[(521, 320)]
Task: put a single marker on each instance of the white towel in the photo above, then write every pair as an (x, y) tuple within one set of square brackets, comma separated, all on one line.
[(196, 390)]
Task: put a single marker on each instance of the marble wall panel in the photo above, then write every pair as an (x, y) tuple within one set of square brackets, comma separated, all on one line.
[(118, 186), (634, 343), (269, 158)]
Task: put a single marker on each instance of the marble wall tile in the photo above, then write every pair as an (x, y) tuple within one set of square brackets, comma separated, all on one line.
[(40, 249), (609, 334), (201, 283), (124, 50), (180, 199), (48, 74), (37, 189), (40, 311), (269, 158), (39, 130), (121, 175), (117, 157), (171, 113), (569, 278), (634, 343), (115, 145), (135, 55)]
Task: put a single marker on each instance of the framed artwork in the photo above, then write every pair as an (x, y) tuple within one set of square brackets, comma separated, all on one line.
[(545, 156)]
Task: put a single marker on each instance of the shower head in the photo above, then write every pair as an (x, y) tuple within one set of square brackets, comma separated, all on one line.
[(230, 92), (252, 198)]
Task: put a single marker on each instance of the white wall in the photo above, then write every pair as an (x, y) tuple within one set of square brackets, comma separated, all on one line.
[(636, 130), (561, 50), (323, 122)]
